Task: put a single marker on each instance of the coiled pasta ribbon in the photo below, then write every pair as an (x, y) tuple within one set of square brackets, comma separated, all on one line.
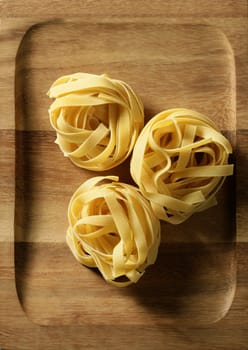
[(112, 227), (179, 162), (97, 119)]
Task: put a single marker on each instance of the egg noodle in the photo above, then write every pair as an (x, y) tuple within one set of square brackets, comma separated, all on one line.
[(179, 162), (97, 119), (112, 227)]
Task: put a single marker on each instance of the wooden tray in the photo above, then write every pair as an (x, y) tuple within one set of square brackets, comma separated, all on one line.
[(194, 278)]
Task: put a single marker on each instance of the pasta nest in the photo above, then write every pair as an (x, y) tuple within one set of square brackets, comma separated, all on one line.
[(112, 227), (97, 119), (179, 162)]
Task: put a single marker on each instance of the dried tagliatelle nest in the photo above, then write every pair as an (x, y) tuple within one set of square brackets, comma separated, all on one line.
[(112, 227), (179, 162), (97, 119)]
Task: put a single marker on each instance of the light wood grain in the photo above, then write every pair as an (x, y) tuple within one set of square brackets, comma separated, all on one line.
[(168, 66), (226, 8), (190, 283), (151, 324), (18, 333)]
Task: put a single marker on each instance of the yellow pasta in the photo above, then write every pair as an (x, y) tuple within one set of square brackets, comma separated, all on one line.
[(97, 119), (112, 227), (179, 162)]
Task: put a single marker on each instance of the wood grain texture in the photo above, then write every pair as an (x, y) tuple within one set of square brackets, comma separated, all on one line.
[(226, 8), (169, 66), (33, 259), (173, 291), (17, 332)]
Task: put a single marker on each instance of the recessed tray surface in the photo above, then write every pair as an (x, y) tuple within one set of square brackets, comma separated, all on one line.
[(169, 66)]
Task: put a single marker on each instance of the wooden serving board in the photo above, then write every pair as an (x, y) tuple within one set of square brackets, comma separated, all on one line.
[(194, 278)]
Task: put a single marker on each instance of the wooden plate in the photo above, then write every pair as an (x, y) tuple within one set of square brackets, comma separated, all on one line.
[(169, 66)]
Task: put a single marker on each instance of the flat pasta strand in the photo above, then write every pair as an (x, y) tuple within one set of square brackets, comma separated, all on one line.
[(113, 227), (179, 162), (97, 119)]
